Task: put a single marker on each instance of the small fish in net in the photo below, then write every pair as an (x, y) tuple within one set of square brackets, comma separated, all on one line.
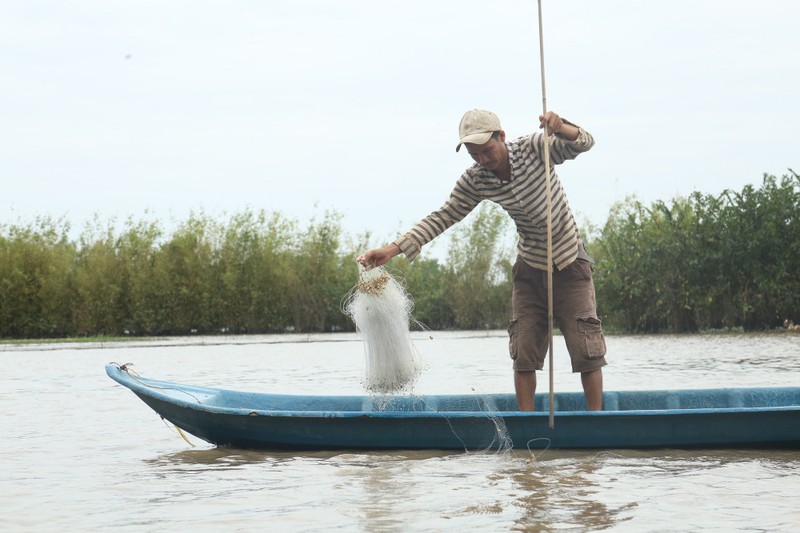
[(381, 309)]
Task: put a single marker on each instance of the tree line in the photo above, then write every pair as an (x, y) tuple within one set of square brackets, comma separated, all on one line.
[(704, 262), (696, 263), (257, 272)]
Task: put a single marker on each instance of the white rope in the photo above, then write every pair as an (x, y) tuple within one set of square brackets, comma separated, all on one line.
[(381, 309)]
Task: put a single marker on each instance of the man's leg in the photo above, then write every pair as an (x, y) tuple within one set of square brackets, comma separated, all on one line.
[(528, 330), (525, 387), (575, 312), (593, 388)]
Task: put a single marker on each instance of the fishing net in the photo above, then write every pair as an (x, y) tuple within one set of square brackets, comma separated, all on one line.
[(381, 309)]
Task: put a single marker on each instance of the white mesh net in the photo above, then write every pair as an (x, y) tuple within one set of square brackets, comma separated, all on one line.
[(381, 309)]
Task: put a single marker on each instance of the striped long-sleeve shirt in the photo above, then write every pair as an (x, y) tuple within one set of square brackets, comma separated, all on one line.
[(524, 198)]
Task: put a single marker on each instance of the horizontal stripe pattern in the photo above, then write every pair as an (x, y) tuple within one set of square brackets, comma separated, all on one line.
[(524, 198)]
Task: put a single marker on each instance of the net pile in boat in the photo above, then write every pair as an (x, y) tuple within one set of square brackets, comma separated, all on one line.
[(381, 309)]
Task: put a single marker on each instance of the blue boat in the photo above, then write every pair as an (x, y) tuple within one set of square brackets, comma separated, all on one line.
[(707, 418)]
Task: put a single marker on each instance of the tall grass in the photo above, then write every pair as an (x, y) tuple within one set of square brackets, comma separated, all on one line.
[(703, 262)]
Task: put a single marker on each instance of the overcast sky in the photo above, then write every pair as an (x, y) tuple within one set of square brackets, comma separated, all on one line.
[(153, 109)]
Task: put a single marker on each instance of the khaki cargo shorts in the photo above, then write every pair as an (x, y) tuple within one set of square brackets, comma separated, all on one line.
[(574, 312)]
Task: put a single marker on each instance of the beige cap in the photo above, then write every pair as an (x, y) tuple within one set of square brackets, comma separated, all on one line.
[(477, 126)]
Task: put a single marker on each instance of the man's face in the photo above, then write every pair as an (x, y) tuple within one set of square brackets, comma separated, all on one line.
[(490, 155)]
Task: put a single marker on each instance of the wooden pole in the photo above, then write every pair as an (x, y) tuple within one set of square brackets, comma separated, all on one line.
[(548, 192)]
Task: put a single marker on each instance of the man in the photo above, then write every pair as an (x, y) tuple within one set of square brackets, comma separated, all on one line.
[(512, 174)]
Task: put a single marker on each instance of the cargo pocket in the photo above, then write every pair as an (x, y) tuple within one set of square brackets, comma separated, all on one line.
[(591, 331), (585, 268), (513, 343)]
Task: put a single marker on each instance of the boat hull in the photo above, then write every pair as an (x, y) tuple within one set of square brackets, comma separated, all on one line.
[(709, 418)]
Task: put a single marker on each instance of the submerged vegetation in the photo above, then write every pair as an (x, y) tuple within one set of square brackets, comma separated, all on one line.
[(703, 262)]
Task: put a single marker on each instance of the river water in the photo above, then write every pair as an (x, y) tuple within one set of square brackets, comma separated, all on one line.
[(82, 453)]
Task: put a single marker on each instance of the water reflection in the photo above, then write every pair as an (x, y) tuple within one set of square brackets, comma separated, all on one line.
[(511, 490), (241, 457), (221, 458), (563, 493)]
